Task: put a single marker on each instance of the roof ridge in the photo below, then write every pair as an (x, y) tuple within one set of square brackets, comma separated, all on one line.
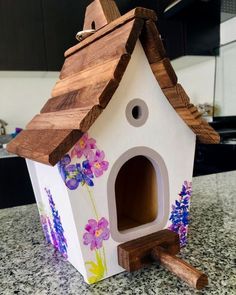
[(90, 76), (138, 12)]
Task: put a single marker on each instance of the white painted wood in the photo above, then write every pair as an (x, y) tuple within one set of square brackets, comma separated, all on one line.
[(43, 176), (163, 132)]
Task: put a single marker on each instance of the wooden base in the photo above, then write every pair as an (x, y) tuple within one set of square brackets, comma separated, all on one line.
[(161, 247)]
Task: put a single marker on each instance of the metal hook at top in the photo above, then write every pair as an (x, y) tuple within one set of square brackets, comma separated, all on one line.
[(80, 36)]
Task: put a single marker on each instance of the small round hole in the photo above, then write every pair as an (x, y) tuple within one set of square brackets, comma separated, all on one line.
[(136, 112), (93, 26)]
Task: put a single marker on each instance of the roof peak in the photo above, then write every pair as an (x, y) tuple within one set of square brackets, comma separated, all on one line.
[(90, 76), (100, 13)]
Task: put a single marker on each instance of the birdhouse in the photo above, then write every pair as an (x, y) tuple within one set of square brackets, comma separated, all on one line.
[(111, 153)]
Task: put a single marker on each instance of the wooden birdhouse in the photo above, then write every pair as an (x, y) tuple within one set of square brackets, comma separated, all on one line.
[(111, 153)]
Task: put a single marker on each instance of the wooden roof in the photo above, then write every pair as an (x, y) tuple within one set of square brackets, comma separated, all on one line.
[(89, 77)]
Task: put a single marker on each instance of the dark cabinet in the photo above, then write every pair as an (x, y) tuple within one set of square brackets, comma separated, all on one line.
[(192, 30), (35, 33), (15, 184), (62, 20), (22, 44), (216, 158)]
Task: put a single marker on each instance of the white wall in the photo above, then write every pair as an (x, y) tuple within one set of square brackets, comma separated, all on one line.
[(196, 74), (228, 31), (226, 71), (22, 95), (225, 81)]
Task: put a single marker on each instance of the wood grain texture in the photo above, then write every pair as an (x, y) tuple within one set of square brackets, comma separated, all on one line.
[(91, 74), (136, 254), (179, 267), (80, 119), (151, 42), (164, 73), (205, 133), (189, 113), (135, 13), (191, 119), (99, 13), (122, 40), (177, 96), (97, 94), (112, 69), (44, 146)]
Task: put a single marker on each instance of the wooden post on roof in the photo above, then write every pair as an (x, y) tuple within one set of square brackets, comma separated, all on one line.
[(99, 13)]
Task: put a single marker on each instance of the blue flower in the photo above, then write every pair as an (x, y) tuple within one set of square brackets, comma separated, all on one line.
[(74, 174), (85, 173), (57, 232), (73, 177), (180, 213), (61, 166), (65, 160)]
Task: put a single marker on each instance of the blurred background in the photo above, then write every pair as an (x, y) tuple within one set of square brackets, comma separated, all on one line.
[(199, 36)]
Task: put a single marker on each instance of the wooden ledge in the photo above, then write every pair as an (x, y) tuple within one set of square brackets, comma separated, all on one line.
[(135, 254), (161, 247)]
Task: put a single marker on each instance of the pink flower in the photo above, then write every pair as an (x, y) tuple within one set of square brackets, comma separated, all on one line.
[(83, 146), (96, 233), (97, 163)]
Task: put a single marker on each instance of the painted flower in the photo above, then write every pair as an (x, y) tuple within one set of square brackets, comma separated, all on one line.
[(62, 164), (56, 229), (85, 173), (65, 160), (97, 162), (96, 233), (44, 223), (76, 174), (83, 146), (73, 178), (180, 213)]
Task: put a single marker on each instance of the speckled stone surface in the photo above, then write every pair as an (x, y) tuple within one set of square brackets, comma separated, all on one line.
[(29, 266)]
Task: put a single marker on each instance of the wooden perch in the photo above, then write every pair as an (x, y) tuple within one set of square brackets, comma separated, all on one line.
[(180, 268), (162, 247)]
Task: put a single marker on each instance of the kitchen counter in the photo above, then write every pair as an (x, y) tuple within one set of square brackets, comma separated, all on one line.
[(4, 154), (29, 266)]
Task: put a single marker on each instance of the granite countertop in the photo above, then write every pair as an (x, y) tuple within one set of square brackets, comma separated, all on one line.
[(29, 266), (4, 154)]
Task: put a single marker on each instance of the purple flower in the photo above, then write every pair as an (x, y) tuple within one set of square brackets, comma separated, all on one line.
[(72, 183), (61, 166), (72, 177), (180, 213), (44, 222), (96, 233), (97, 163), (56, 230), (65, 160), (83, 146), (85, 173), (76, 174)]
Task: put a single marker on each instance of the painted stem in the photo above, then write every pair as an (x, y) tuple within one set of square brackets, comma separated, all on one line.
[(92, 202), (104, 258), (97, 217)]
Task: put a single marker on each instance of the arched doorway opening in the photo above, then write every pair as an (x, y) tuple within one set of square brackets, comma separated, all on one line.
[(136, 193)]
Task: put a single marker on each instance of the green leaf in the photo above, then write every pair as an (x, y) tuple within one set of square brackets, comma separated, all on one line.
[(97, 268)]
